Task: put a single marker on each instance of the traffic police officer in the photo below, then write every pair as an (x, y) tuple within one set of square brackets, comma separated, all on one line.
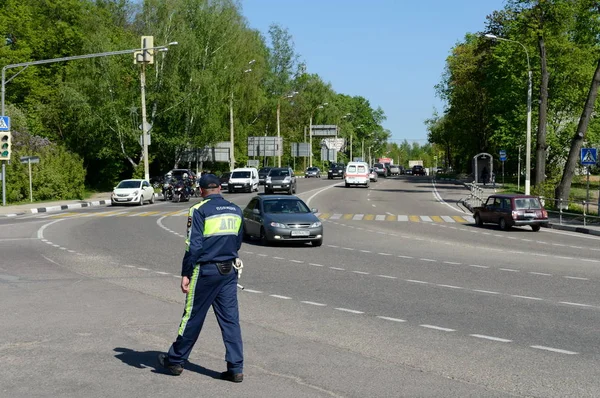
[(208, 277)]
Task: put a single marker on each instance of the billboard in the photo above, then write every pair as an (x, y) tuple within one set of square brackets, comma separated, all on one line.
[(265, 146), (300, 149), (324, 130), (217, 153)]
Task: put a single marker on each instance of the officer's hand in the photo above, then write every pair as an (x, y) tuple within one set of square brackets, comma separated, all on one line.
[(185, 284)]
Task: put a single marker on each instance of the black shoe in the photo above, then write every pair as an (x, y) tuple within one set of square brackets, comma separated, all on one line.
[(233, 377), (175, 370)]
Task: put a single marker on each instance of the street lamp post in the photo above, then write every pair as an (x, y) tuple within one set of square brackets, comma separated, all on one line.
[(310, 131), (290, 95), (25, 65), (529, 92), (231, 129)]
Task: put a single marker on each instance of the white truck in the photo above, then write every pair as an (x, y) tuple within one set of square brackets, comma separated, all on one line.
[(412, 163)]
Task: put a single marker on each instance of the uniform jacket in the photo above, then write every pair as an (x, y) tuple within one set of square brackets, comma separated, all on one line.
[(214, 233)]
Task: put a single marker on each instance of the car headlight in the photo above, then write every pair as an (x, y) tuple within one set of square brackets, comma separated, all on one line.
[(315, 224), (330, 171), (134, 193), (278, 225), (287, 179), (268, 180)]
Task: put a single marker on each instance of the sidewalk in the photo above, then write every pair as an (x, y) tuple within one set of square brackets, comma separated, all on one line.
[(572, 226), (97, 199)]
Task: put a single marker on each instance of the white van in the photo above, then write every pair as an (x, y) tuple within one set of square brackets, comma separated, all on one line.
[(243, 179), (357, 173)]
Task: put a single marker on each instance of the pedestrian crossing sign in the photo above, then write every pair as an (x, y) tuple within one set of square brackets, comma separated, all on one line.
[(4, 123), (588, 156)]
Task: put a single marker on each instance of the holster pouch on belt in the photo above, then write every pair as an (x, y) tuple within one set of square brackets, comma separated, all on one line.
[(225, 267)]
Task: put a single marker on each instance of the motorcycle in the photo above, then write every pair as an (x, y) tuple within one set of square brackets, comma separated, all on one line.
[(167, 191), (181, 192)]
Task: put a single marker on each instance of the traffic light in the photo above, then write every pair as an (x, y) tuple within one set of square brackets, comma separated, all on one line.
[(5, 149)]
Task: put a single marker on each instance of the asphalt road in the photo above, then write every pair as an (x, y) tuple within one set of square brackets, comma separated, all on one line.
[(406, 297)]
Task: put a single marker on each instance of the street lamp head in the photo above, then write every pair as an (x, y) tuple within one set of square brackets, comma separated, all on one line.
[(251, 62), (173, 43), (490, 36), (248, 70), (325, 103)]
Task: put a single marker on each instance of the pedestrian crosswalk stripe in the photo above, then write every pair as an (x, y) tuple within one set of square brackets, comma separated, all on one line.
[(369, 217), (402, 218), (380, 217), (459, 219), (448, 219), (358, 217), (414, 218), (348, 216), (426, 218), (436, 219), (390, 218), (150, 213), (336, 216)]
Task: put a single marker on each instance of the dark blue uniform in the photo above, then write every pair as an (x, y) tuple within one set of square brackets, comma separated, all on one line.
[(214, 235)]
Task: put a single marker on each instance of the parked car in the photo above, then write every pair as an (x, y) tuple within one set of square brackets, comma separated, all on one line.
[(225, 180), (312, 172), (372, 175), (380, 169), (262, 175), (132, 192), (408, 172), (508, 210), (418, 170), (335, 170), (280, 218), (394, 170), (281, 179)]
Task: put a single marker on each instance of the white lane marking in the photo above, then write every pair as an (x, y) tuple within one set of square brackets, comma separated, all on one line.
[(426, 219), (262, 255), (297, 261), (348, 248), (509, 269), (387, 318), (313, 303), (526, 297), (558, 350), (483, 336), (402, 218), (478, 266), (13, 239), (332, 246), (540, 273), (415, 281), (349, 310), (450, 286), (575, 304), (319, 191), (590, 260), (366, 251), (358, 217), (316, 265), (438, 328), (485, 291), (129, 266), (451, 263), (40, 232), (281, 297), (361, 272), (252, 291), (143, 269), (279, 258), (428, 259), (389, 214), (247, 252), (387, 276), (161, 273), (372, 205), (175, 276), (564, 258), (384, 254), (577, 278), (337, 268), (380, 217), (404, 256)]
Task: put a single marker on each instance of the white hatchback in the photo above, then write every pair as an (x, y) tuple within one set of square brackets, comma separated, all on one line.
[(132, 192)]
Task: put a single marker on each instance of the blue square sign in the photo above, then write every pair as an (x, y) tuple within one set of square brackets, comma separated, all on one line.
[(588, 156), (4, 123)]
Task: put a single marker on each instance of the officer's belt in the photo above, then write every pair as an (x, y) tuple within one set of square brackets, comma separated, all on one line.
[(224, 267)]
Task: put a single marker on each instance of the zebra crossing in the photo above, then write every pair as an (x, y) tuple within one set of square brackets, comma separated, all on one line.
[(396, 217), (463, 219)]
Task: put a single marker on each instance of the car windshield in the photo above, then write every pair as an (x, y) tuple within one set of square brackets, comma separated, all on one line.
[(279, 173), (129, 184), (527, 203), (285, 206), (378, 166), (351, 169), (240, 174), (225, 175), (264, 170), (312, 169)]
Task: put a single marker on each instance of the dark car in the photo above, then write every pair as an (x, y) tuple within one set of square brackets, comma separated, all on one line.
[(262, 175), (178, 173), (508, 210), (280, 179), (312, 172), (225, 180), (336, 170), (418, 170), (278, 218), (381, 169)]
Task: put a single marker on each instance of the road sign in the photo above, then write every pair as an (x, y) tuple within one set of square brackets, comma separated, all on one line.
[(324, 130), (588, 156), (29, 159), (253, 163), (265, 146), (300, 149), (4, 123), (502, 155)]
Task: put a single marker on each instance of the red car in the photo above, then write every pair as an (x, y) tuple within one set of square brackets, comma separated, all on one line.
[(509, 210)]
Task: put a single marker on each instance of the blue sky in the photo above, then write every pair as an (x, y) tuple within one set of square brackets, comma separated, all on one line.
[(391, 52)]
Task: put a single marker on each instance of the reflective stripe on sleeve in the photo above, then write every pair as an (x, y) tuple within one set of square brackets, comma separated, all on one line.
[(188, 235), (189, 300)]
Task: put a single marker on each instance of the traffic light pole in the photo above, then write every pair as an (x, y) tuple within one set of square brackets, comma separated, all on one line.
[(24, 65), (144, 124)]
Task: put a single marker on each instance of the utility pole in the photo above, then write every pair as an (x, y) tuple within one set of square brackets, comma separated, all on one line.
[(144, 57), (231, 134)]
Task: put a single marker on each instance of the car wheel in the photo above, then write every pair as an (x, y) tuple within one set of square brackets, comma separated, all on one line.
[(347, 185), (290, 191), (112, 203), (295, 189), (152, 199), (478, 220), (245, 235), (502, 223), (141, 200), (317, 243), (263, 237), (535, 228)]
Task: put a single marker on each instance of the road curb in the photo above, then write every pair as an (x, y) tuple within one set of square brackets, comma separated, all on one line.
[(49, 209), (573, 228)]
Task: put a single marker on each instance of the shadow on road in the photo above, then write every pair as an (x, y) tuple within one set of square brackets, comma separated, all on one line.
[(149, 359)]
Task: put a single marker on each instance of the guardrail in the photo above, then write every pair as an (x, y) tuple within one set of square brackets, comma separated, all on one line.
[(559, 208), (476, 196)]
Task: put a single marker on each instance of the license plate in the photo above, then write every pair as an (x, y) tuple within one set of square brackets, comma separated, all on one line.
[(276, 186), (529, 215), (237, 186), (300, 233)]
